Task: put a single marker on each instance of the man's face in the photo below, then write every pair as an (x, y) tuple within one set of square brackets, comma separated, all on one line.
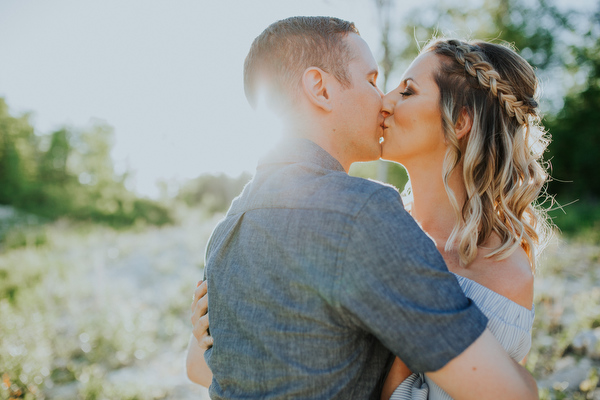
[(359, 107)]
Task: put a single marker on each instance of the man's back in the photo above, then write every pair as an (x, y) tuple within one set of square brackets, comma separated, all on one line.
[(285, 311)]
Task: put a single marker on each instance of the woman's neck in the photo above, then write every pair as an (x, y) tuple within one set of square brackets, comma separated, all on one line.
[(431, 206)]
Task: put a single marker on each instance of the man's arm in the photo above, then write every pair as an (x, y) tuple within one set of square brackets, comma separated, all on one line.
[(394, 284), (485, 371)]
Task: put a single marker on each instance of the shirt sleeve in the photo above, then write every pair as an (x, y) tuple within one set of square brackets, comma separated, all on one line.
[(395, 285)]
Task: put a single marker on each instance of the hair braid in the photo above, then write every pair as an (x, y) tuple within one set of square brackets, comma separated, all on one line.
[(490, 79)]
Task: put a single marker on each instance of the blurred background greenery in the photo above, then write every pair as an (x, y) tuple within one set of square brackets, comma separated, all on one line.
[(95, 281)]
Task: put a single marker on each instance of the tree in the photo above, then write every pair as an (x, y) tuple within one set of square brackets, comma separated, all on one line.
[(575, 131), (53, 164), (17, 156), (74, 176)]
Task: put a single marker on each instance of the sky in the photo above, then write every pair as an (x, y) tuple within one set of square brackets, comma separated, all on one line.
[(166, 75)]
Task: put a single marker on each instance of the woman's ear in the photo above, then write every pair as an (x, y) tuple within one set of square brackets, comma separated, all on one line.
[(315, 87), (464, 124)]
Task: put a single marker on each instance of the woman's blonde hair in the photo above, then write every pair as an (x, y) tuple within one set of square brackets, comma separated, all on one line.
[(501, 159)]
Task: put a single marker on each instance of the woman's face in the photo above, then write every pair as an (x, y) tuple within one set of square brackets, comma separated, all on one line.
[(414, 125)]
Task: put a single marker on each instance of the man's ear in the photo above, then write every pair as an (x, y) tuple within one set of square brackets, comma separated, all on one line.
[(315, 86), (464, 124)]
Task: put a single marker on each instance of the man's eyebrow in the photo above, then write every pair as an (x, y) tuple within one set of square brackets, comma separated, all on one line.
[(405, 81)]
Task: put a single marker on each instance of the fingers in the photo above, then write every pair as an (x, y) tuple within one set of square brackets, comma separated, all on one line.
[(206, 343), (200, 332), (200, 306), (200, 329), (199, 316), (201, 289)]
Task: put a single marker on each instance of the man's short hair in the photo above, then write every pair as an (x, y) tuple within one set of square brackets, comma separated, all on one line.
[(281, 53)]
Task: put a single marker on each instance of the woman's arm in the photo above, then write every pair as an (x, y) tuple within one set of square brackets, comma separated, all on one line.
[(398, 373), (197, 369), (485, 371)]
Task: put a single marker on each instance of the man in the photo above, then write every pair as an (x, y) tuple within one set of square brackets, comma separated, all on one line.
[(315, 278)]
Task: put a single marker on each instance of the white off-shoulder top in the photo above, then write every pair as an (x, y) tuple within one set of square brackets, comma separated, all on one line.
[(510, 323)]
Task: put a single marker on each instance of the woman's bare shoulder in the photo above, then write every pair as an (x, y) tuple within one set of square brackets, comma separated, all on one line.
[(511, 277)]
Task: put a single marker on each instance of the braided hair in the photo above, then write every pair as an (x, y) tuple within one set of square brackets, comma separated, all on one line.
[(500, 158)]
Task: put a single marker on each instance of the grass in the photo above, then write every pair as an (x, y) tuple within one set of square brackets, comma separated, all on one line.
[(578, 220)]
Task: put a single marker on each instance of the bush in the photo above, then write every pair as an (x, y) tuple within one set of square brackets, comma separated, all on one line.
[(580, 219), (212, 193)]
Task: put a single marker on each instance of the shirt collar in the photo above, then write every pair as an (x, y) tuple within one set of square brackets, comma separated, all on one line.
[(294, 150)]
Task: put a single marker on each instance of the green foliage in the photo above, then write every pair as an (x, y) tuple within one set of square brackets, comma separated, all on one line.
[(67, 173), (532, 27), (396, 174), (579, 219), (575, 136), (17, 156), (213, 193)]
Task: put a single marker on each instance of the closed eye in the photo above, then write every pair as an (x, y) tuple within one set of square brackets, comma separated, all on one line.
[(408, 82)]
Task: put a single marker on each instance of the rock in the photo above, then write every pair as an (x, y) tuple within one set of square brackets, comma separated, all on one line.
[(63, 392), (7, 212), (595, 395), (586, 343), (568, 375)]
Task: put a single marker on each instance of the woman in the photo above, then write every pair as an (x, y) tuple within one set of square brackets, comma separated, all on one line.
[(463, 122)]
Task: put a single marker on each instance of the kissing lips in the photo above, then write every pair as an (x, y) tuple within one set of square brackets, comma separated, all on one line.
[(382, 137)]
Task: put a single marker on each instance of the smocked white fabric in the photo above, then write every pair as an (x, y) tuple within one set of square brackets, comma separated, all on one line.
[(509, 322)]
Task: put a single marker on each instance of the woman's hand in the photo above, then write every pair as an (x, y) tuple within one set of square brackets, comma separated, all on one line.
[(200, 316), (398, 373), (197, 369)]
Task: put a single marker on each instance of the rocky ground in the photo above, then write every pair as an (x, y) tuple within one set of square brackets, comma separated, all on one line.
[(566, 340)]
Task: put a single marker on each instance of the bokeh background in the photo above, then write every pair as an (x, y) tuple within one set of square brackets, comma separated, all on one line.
[(124, 136)]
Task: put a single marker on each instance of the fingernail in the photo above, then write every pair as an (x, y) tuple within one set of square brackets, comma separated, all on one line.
[(199, 283)]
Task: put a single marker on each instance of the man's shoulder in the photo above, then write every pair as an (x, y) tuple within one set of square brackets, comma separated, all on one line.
[(353, 193), (354, 183), (355, 186), (307, 186)]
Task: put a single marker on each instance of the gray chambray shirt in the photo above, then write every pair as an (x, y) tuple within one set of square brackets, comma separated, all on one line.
[(316, 278)]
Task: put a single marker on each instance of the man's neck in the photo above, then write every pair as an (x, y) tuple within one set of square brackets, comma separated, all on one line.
[(326, 141)]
